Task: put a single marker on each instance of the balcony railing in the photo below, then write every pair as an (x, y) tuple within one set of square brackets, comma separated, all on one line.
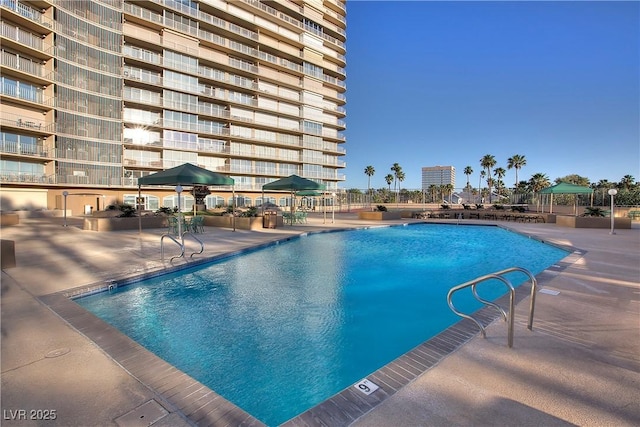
[(27, 12), (16, 177), (19, 35), (24, 64), (22, 149)]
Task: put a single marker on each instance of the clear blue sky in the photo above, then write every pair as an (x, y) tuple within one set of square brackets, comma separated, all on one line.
[(447, 82)]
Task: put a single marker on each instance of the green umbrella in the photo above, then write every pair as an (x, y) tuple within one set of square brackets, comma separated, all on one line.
[(308, 193), (186, 174), (293, 183)]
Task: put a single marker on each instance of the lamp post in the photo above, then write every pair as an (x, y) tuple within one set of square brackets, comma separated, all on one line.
[(179, 190), (333, 208), (612, 193), (65, 194)]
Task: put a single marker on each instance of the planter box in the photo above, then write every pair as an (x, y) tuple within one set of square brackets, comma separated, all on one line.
[(379, 215), (9, 219), (242, 223), (117, 224), (7, 253), (591, 222)]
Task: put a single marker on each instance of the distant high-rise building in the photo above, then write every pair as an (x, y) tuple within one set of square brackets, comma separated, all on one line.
[(438, 176), (97, 93)]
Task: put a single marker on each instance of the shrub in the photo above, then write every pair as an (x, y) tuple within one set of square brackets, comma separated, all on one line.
[(593, 211), (165, 210), (381, 208), (250, 212), (127, 210)]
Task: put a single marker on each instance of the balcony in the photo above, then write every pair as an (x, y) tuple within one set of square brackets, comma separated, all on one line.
[(9, 177), (18, 39), (28, 13), (22, 149)]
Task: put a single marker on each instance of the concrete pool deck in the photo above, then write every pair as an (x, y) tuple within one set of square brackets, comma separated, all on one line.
[(579, 366)]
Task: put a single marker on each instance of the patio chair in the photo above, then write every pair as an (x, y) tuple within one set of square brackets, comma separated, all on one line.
[(197, 224), (173, 225)]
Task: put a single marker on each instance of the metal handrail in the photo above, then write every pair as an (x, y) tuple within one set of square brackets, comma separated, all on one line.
[(508, 317), (181, 244), (534, 288), (175, 241), (196, 239)]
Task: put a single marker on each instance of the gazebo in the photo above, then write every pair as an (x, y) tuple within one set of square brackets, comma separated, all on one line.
[(566, 188)]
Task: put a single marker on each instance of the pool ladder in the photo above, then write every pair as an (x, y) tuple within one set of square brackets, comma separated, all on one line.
[(508, 317), (181, 244)]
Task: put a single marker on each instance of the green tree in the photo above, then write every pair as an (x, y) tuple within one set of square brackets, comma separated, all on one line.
[(516, 162), (574, 179), (487, 162)]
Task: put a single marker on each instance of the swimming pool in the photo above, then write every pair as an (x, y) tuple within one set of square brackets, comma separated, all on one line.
[(280, 329)]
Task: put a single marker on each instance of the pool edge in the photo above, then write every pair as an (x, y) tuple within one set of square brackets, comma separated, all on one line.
[(341, 409)]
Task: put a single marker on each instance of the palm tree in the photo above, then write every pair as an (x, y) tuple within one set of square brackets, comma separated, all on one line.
[(448, 190), (516, 162), (487, 162), (433, 190), (482, 175), (538, 182), (369, 171), (400, 177), (627, 182), (389, 180), (468, 171), (499, 173), (396, 169)]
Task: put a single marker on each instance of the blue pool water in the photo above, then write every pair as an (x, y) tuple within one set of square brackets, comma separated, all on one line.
[(280, 329)]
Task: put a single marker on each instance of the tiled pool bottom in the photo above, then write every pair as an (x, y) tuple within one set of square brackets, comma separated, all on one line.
[(201, 405)]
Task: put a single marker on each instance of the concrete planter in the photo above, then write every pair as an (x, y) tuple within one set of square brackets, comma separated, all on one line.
[(242, 223), (117, 224), (591, 222), (379, 215), (9, 219)]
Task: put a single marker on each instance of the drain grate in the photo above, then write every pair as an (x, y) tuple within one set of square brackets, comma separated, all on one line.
[(144, 415), (57, 353)]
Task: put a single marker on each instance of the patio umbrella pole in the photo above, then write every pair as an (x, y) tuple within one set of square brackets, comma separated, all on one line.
[(233, 206)]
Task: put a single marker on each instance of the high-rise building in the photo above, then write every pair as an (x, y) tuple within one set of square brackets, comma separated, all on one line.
[(438, 176), (96, 93)]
